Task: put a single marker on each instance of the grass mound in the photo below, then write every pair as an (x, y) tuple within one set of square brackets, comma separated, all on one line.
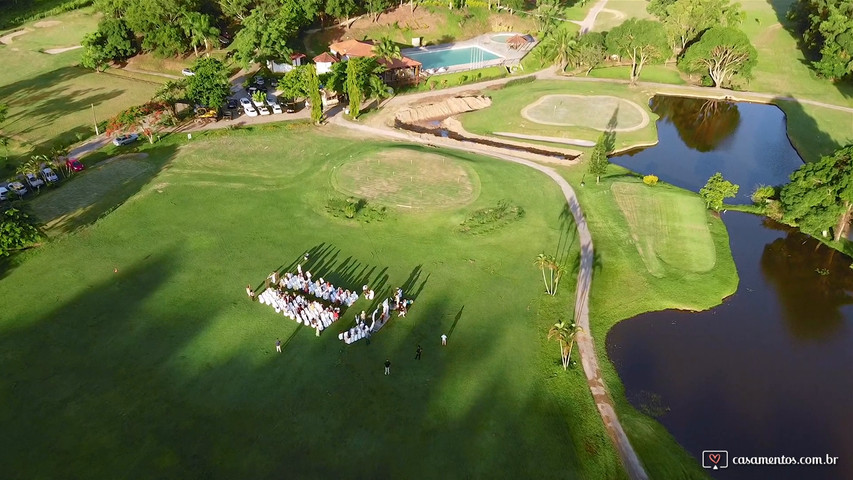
[(668, 228), (408, 178), (486, 220), (597, 112)]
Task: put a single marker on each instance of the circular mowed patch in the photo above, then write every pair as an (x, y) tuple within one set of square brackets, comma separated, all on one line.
[(408, 178), (598, 112)]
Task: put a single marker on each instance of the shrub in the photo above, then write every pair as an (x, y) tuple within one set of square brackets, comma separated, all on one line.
[(354, 209), (520, 81), (488, 219), (463, 79), (763, 193), (650, 180)]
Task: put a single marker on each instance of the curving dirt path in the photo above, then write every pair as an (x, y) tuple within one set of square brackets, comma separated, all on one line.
[(589, 20), (586, 347)]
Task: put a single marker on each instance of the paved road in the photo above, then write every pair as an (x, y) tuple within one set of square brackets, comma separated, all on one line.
[(589, 20), (586, 346)]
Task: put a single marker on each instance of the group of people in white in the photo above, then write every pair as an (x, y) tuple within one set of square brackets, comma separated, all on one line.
[(289, 294), (361, 329)]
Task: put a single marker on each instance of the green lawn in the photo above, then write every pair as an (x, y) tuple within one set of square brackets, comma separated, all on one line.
[(617, 11), (650, 73), (782, 67), (132, 343), (510, 101), (50, 98), (623, 286)]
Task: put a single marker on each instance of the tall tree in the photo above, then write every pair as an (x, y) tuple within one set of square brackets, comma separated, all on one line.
[(716, 190), (643, 41), (147, 119), (590, 51), (268, 30), (172, 92), (819, 196), (200, 31), (685, 20), (375, 7), (827, 30), (363, 82), (340, 8), (236, 10), (312, 82), (559, 47), (209, 85), (598, 161), (722, 53), (112, 41), (17, 231)]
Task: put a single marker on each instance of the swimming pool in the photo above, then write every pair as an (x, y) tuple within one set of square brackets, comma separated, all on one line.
[(449, 57), (502, 37)]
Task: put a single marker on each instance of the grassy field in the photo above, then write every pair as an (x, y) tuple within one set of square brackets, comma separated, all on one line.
[(50, 98), (510, 101), (595, 112), (782, 67), (624, 286), (143, 358), (667, 227), (651, 73), (617, 11)]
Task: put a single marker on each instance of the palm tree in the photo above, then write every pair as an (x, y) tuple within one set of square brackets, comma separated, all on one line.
[(386, 48), (565, 334), (573, 329), (561, 270), (559, 46), (542, 262), (199, 31)]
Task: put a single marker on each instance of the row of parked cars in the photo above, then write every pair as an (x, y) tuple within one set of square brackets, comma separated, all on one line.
[(35, 182)]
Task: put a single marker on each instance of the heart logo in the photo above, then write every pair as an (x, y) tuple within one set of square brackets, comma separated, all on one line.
[(714, 457)]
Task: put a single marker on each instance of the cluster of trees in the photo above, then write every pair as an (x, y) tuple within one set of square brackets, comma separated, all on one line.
[(359, 79), (556, 271), (565, 334), (303, 81), (17, 231), (263, 29), (702, 35), (827, 29)]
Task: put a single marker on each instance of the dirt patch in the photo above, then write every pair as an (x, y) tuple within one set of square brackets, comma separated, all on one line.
[(407, 178), (47, 23), (442, 109), (7, 39), (54, 51)]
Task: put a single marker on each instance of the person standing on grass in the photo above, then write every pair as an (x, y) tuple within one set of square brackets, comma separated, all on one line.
[(418, 353), (387, 367), (250, 292), (278, 345), (443, 339)]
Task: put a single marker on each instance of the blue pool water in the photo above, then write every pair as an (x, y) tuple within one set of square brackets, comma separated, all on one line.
[(451, 57)]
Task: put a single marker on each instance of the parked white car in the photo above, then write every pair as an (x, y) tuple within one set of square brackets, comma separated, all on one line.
[(187, 72), (276, 108), (34, 181), (264, 110), (250, 111), (48, 174), (4, 193), (245, 102), (18, 188)]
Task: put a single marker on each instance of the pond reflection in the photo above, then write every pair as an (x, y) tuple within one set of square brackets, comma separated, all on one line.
[(701, 123)]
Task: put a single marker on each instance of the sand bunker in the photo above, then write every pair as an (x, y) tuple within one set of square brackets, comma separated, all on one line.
[(7, 39)]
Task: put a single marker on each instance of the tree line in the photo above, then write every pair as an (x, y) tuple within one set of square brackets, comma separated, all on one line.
[(701, 35), (827, 33)]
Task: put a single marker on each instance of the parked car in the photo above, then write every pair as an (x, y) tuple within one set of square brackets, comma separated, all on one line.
[(290, 107), (259, 81), (33, 180), (245, 102), (252, 90), (125, 139), (276, 108), (232, 103), (74, 165), (4, 193), (228, 115), (49, 175), (264, 110), (250, 111), (187, 72), (18, 188)]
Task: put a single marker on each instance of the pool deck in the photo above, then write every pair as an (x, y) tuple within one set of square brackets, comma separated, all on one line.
[(510, 56)]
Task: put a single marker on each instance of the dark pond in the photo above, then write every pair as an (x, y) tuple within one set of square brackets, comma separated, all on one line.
[(770, 371), (699, 137)]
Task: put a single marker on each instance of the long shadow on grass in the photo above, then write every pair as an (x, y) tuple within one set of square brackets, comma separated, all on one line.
[(796, 29), (819, 142), (88, 196)]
